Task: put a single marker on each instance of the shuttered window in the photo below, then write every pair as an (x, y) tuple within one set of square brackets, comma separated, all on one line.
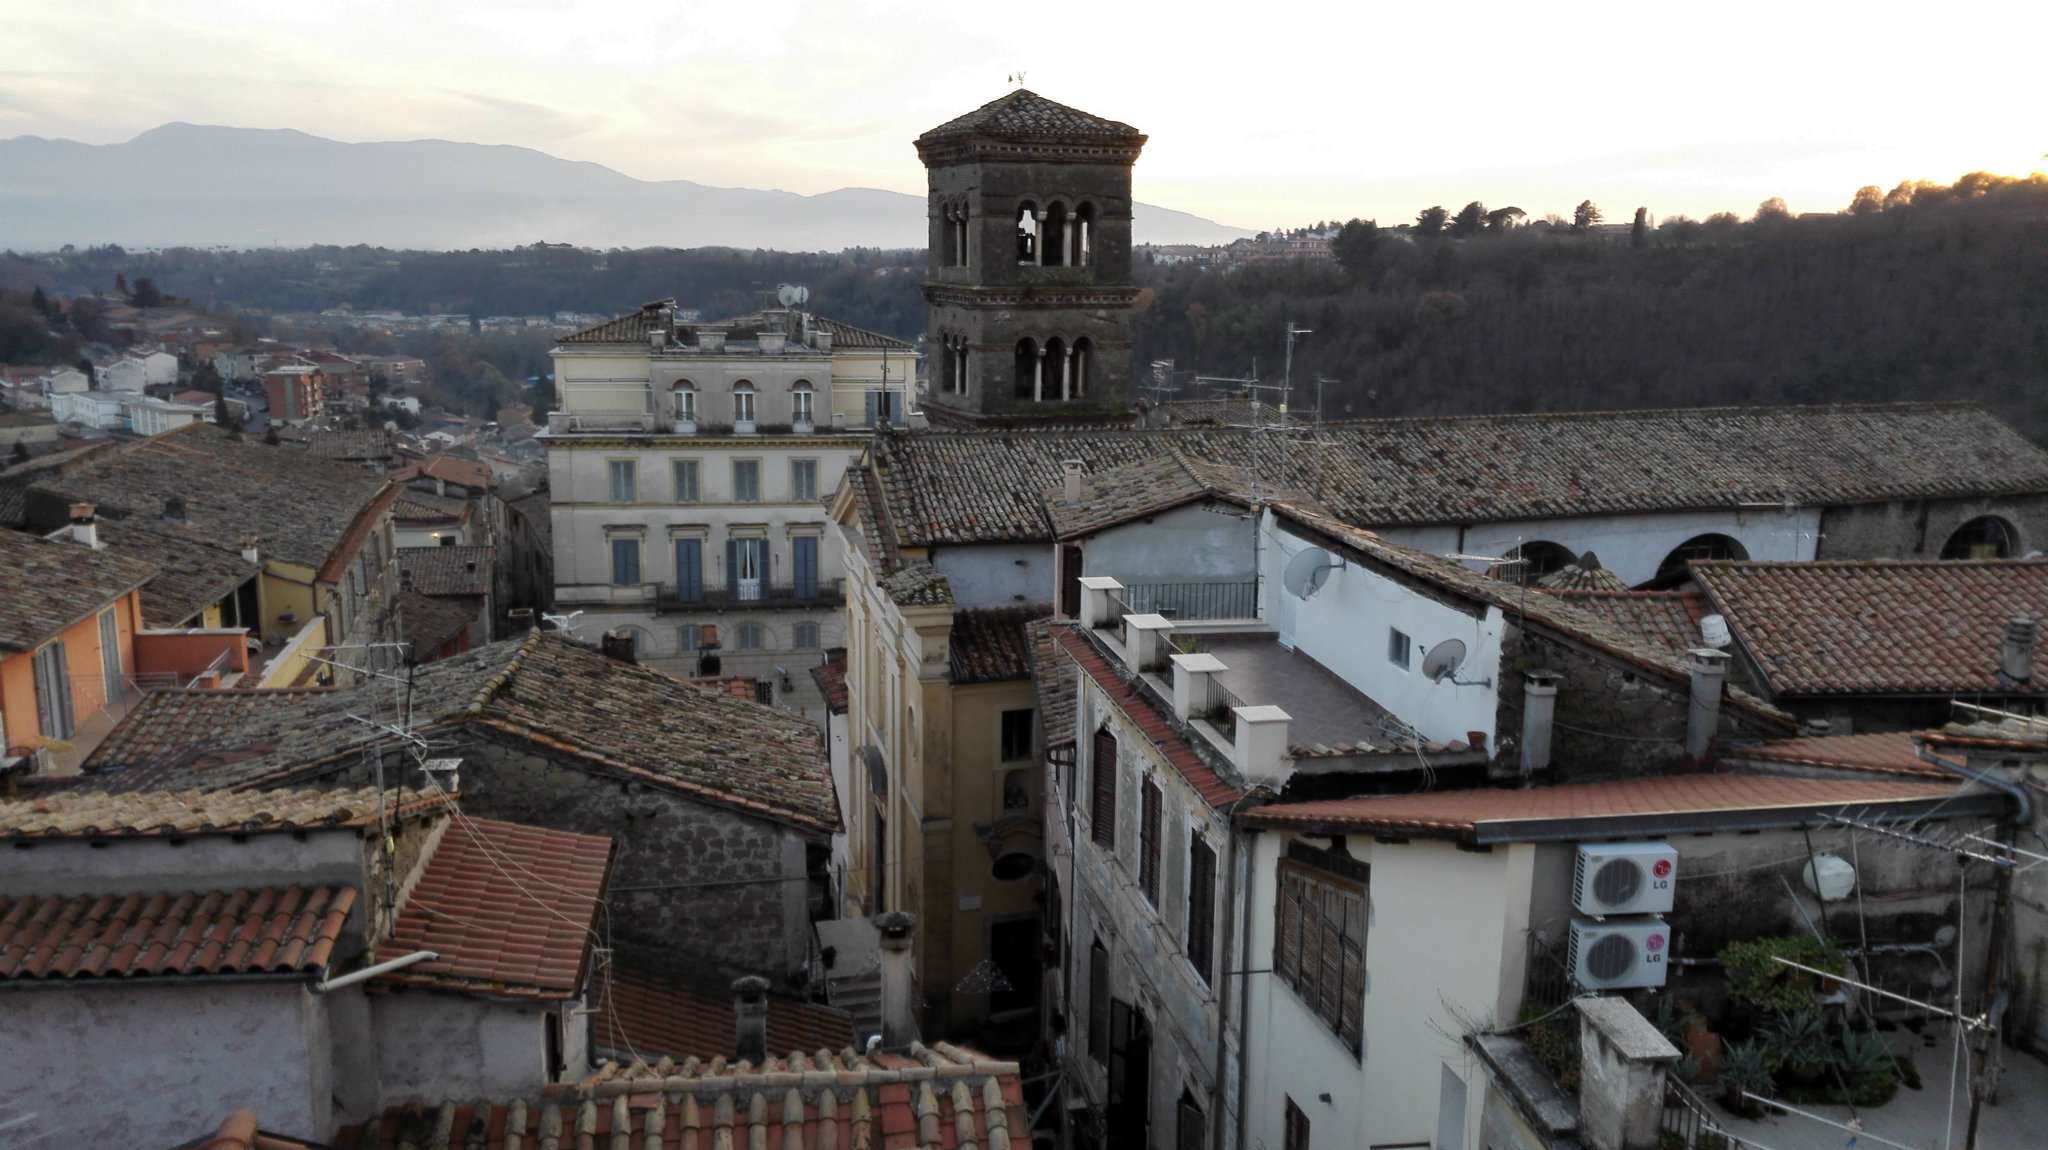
[(1098, 1003), (1148, 843), (1201, 906), (1319, 946), (1102, 811)]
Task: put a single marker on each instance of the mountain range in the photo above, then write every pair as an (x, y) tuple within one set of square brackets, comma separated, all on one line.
[(197, 185)]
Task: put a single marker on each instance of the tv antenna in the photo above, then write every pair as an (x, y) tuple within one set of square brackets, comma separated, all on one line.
[(1016, 78)]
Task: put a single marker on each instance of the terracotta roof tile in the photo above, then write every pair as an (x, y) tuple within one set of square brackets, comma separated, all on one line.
[(1580, 577), (1137, 490), (452, 468), (432, 622), (1886, 753), (140, 814), (264, 930), (511, 909), (1026, 115), (990, 645), (1879, 627), (1666, 620), (1213, 788), (192, 572), (918, 584), (830, 676), (1056, 677), (52, 584), (1467, 813), (446, 570), (644, 1011)]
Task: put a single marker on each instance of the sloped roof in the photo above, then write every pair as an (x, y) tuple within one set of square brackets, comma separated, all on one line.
[(1879, 627), (645, 1011), (523, 934), (191, 572), (610, 715), (1136, 490), (1026, 115), (847, 335), (449, 469), (52, 584), (1055, 677), (446, 570), (990, 644), (431, 622), (918, 584), (980, 487), (1667, 620), (1214, 789), (179, 814), (262, 930), (1885, 753), (1581, 577)]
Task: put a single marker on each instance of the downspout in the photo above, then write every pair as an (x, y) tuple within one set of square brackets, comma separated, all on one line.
[(1244, 965), (2018, 793)]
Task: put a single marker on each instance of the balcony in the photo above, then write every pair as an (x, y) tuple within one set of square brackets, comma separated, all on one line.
[(755, 595), (1187, 602)]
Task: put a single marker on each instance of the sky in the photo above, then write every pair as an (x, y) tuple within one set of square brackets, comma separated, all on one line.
[(1275, 114)]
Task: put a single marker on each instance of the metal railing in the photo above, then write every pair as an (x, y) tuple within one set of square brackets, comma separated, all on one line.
[(1113, 617), (1194, 600), (1547, 982), (1221, 716), (1687, 1124), (766, 592)]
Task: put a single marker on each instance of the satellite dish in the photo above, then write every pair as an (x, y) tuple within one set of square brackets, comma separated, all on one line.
[(792, 295), (1443, 660), (1306, 571), (1714, 631)]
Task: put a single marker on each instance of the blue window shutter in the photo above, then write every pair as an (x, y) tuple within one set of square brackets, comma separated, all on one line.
[(732, 566), (871, 399), (806, 552), (689, 570)]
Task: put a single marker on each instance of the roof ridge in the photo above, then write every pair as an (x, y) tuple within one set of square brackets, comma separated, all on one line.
[(1849, 564), (496, 682)]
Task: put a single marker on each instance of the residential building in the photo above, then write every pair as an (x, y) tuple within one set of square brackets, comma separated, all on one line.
[(686, 472), (125, 374), (99, 410), (459, 579), (407, 403), (64, 380), (1028, 285), (295, 392), (237, 408), (722, 808), (159, 369), (149, 416), (255, 919), (397, 370)]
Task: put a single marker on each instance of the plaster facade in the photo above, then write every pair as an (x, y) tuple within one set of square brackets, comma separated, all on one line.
[(433, 1046)]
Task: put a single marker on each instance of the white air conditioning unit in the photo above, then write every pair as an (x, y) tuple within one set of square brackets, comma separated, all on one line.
[(1618, 954), (1624, 878)]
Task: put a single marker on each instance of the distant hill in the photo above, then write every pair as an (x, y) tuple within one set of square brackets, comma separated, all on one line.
[(187, 184)]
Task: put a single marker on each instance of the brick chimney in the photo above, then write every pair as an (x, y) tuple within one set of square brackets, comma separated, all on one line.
[(85, 527), (899, 986), (750, 1017), (2016, 654), (618, 645), (1703, 717), (1539, 710)]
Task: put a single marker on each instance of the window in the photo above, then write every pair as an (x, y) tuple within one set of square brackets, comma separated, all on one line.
[(1397, 648), (686, 481), (686, 404), (1098, 1003), (746, 480), (1148, 841), (1102, 811), (625, 562), (690, 570), (802, 403), (1016, 791), (53, 692), (750, 637), (806, 637), (1191, 1131), (803, 479), (742, 402), (686, 638), (1202, 907), (803, 554), (746, 566), (1295, 1135), (1985, 537), (764, 692), (1319, 940), (1701, 547), (1017, 734), (623, 485)]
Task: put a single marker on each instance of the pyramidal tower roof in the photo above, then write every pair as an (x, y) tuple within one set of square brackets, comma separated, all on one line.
[(1025, 115)]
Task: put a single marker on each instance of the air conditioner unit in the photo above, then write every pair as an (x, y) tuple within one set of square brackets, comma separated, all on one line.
[(1618, 954), (1624, 878)]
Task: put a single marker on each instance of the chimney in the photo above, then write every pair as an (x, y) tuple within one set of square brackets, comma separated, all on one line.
[(1703, 718), (821, 339), (174, 509), (657, 338), (521, 617), (1070, 476), (750, 1014), (772, 342), (618, 645), (85, 528), (2016, 655), (710, 339), (1539, 708), (899, 988), (1260, 751)]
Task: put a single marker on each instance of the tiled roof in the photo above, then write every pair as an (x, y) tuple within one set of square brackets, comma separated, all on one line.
[(300, 508), (918, 584), (1055, 677), (930, 1098), (847, 335), (1171, 746), (1026, 115), (1888, 752), (451, 469), (990, 645), (830, 676), (544, 688), (633, 327), (265, 930), (431, 622), (1136, 490), (178, 814), (979, 487), (446, 570), (1229, 412), (240, 1132), (1878, 627), (424, 506), (192, 573), (1491, 815), (1666, 620), (351, 446), (511, 910), (643, 1011), (1580, 577), (53, 584)]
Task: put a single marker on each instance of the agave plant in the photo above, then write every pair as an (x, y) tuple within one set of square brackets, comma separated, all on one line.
[(1745, 1067), (1864, 1054), (1803, 1047)]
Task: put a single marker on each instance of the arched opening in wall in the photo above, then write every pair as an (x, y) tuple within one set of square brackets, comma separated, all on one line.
[(960, 226), (949, 237), (1698, 548), (1084, 234), (685, 397), (1540, 557), (803, 403), (1028, 225), (743, 409), (1056, 236), (1055, 383), (1028, 361), (1985, 537), (1083, 357)]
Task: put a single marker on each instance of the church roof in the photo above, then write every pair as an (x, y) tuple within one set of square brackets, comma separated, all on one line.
[(1026, 115)]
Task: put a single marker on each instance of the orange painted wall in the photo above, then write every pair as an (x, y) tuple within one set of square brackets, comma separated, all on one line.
[(82, 656), (186, 653)]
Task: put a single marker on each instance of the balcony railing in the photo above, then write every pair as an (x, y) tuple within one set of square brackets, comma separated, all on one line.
[(764, 593), (1194, 600), (1113, 616), (1221, 715)]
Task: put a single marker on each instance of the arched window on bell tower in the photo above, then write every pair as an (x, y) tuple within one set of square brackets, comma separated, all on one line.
[(1056, 240), (1030, 226), (1083, 353), (1030, 362), (1084, 234)]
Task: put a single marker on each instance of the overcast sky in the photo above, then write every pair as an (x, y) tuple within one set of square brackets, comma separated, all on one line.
[(1260, 114)]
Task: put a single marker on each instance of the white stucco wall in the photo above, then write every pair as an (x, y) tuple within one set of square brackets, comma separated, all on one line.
[(154, 1064), (1631, 546), (201, 862), (997, 574), (1187, 544), (1345, 625), (439, 1046)]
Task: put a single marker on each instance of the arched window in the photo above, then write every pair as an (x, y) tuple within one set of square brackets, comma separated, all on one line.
[(949, 237), (1029, 225), (959, 231), (685, 394), (1030, 363), (803, 403), (1055, 382), (1701, 547), (1541, 558), (1084, 235), (743, 405), (1058, 241), (1985, 537), (1083, 356)]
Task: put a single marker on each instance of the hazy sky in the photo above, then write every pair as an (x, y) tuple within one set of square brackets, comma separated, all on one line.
[(1259, 114)]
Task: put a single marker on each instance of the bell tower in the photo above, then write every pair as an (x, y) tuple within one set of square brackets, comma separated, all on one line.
[(1028, 290)]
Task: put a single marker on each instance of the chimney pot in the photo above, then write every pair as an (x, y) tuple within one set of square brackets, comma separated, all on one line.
[(85, 528), (899, 1013), (1539, 713), (618, 645), (1071, 475), (750, 1011), (522, 618), (2016, 656)]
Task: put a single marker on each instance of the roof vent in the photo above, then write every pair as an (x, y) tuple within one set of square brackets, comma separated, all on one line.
[(174, 508), (2016, 656)]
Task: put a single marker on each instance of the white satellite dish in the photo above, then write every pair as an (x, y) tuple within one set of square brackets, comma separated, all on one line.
[(1443, 660), (1306, 572), (793, 295)]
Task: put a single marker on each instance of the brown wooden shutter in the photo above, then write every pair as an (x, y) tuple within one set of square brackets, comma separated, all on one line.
[(1287, 934), (1201, 907), (1102, 811), (1148, 843)]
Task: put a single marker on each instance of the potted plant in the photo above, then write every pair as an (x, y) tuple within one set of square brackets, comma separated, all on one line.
[(1804, 1049), (1745, 1069)]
